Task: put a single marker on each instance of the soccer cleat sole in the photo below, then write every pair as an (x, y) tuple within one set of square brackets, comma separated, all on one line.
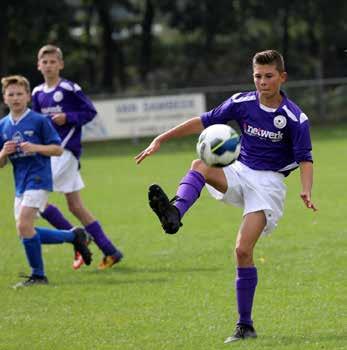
[(158, 200), (78, 261), (81, 245), (161, 206)]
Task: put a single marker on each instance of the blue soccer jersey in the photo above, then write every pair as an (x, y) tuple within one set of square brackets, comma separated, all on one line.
[(67, 97), (32, 171), (272, 139)]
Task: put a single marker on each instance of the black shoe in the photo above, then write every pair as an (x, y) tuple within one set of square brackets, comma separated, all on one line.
[(31, 281), (242, 331), (80, 244), (167, 213)]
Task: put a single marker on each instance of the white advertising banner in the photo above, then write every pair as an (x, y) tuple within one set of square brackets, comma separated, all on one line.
[(136, 117)]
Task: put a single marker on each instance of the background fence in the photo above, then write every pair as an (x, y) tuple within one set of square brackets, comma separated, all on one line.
[(323, 101)]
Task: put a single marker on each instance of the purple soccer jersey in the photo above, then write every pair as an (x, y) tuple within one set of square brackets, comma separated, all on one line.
[(67, 97), (272, 139)]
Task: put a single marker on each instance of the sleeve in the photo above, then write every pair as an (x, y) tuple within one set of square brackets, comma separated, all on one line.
[(301, 140), (2, 138), (227, 111), (35, 106), (49, 134), (85, 110)]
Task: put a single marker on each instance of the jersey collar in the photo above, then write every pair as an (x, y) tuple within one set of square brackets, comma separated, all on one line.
[(269, 109), (47, 89), (15, 122)]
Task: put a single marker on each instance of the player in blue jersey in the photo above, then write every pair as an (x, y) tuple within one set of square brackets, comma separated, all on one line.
[(28, 140), (69, 109), (275, 140)]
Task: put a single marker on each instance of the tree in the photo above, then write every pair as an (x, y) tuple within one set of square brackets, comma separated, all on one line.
[(146, 40)]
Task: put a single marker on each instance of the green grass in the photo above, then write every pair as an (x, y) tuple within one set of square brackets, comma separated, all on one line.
[(177, 292)]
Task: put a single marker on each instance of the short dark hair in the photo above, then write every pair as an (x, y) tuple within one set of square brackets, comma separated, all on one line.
[(270, 57)]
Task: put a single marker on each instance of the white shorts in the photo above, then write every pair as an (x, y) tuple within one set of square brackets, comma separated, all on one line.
[(254, 190), (66, 175), (32, 199)]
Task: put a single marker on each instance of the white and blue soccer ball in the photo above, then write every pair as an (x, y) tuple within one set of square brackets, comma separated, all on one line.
[(218, 145)]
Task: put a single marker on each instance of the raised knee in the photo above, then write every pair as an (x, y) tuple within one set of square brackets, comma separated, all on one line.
[(198, 164)]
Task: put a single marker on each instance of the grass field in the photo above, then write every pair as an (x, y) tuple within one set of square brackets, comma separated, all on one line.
[(177, 292)]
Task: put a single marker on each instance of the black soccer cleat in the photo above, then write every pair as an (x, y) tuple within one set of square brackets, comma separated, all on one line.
[(242, 331), (31, 281), (80, 244), (167, 213)]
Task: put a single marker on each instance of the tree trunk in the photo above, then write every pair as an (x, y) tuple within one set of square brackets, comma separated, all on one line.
[(89, 47), (146, 42), (107, 46)]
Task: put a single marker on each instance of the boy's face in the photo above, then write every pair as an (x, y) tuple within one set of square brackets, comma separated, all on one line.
[(50, 65), (16, 98), (268, 79)]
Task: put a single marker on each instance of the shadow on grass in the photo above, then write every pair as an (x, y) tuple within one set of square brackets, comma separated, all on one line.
[(301, 341), (159, 269), (109, 277), (107, 281)]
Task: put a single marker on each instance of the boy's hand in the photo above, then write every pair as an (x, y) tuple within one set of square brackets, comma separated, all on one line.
[(9, 148), (28, 147), (306, 197), (59, 118), (152, 148)]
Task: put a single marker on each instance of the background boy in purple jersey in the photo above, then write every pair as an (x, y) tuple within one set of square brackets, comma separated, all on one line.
[(69, 109), (28, 139), (275, 140)]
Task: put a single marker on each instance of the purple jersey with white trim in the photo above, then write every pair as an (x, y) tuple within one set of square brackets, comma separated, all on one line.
[(67, 97), (271, 139)]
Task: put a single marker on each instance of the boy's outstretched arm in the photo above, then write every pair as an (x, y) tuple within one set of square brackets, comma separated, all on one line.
[(191, 126), (306, 176)]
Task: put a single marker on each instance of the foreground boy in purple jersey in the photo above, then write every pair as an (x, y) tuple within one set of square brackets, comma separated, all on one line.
[(69, 109), (28, 140), (275, 140)]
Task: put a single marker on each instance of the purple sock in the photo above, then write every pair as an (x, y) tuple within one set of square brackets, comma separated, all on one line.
[(189, 191), (246, 282), (100, 239), (56, 218)]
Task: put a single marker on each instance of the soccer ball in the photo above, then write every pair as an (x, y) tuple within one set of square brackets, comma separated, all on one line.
[(218, 145)]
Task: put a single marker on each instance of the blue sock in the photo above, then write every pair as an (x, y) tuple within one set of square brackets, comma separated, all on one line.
[(52, 236), (33, 253)]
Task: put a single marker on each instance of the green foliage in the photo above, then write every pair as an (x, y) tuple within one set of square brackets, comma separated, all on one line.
[(135, 45), (177, 292)]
